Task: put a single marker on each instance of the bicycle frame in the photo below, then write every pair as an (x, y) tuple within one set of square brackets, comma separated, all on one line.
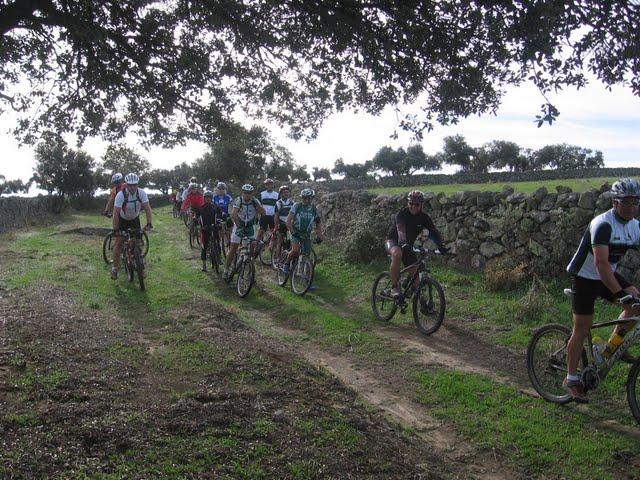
[(630, 338)]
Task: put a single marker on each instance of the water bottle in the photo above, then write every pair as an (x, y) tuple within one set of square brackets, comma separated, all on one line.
[(599, 346)]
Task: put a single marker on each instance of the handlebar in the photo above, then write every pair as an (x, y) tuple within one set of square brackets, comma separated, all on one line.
[(629, 299)]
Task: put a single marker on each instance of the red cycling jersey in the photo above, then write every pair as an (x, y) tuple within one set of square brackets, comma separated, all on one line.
[(115, 190), (195, 200)]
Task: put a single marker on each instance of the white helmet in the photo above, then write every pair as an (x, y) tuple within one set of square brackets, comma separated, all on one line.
[(626, 187), (247, 188), (116, 178), (221, 185), (132, 179)]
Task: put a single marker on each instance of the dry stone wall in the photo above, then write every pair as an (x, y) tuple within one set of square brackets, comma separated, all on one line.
[(541, 230), (16, 212)]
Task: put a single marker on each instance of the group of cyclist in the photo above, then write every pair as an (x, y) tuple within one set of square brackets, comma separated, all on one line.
[(592, 268)]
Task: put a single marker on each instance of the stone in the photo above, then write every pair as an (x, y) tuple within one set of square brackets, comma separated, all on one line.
[(568, 199), (535, 248), (582, 217), (548, 202), (491, 249), (539, 216), (604, 201), (587, 200), (517, 197), (527, 224), (506, 191), (562, 189), (478, 261), (481, 224), (486, 199), (540, 193)]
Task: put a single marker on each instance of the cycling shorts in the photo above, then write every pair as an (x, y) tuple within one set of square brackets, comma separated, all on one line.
[(238, 233), (304, 241), (266, 221), (408, 257), (585, 292)]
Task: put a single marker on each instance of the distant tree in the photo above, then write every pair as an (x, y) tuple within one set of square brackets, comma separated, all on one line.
[(300, 174), (321, 174), (456, 151), (504, 154), (564, 157), (13, 186), (404, 162), (353, 170), (281, 164), (63, 170), (120, 158), (180, 174), (160, 179)]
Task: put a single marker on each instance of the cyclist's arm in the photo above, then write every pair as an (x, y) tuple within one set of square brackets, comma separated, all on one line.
[(401, 227), (434, 234), (603, 267), (235, 217), (289, 222), (109, 204), (116, 219), (147, 210)]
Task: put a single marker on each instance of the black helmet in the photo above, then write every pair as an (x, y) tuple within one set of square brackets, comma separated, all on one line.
[(415, 197)]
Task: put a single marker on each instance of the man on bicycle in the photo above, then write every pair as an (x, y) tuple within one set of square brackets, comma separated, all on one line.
[(118, 186), (245, 212), (593, 275), (408, 223), (268, 199), (300, 221), (283, 207), (208, 216), (126, 215)]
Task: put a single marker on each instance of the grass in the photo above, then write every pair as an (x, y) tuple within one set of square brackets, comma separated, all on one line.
[(577, 185), (532, 435)]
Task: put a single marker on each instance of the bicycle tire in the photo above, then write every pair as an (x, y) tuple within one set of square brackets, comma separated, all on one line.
[(428, 311), (193, 243), (128, 268), (139, 266), (145, 240), (380, 300), (214, 255), (633, 385), (282, 277), (185, 219), (314, 257), (107, 248), (266, 254), (246, 278), (547, 362), (302, 270)]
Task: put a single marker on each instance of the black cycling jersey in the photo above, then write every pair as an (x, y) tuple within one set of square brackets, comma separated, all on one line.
[(209, 214), (407, 227)]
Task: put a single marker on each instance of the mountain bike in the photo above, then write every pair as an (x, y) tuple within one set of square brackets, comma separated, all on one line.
[(301, 270), (194, 232), (417, 283), (266, 253), (214, 246), (108, 243), (132, 258), (547, 360), (244, 266), (176, 209)]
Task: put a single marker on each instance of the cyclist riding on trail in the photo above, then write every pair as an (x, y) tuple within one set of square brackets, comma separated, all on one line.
[(222, 199), (268, 199), (245, 212), (409, 222), (300, 221), (126, 215), (593, 274), (118, 186), (208, 215), (193, 199)]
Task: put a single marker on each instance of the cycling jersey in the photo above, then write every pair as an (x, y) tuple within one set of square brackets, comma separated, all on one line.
[(283, 207), (209, 214), (268, 200), (247, 212), (130, 203), (193, 200), (304, 217), (115, 189), (407, 226), (223, 202), (605, 229)]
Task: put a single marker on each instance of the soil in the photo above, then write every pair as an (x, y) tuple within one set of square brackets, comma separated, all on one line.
[(84, 393)]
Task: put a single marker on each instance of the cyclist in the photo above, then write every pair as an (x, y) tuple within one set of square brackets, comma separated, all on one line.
[(209, 216), (302, 216), (245, 212), (126, 214), (193, 198), (283, 206), (118, 186), (222, 199), (268, 199), (408, 223), (593, 274)]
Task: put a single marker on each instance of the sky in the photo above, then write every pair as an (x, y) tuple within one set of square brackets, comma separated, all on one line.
[(592, 117)]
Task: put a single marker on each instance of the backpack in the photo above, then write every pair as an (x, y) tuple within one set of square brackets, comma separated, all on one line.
[(125, 193)]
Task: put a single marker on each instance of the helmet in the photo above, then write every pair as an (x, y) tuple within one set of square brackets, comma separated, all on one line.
[(221, 185), (192, 185), (627, 187), (247, 188), (283, 188), (116, 178), (415, 197), (193, 180), (268, 180), (132, 179), (307, 193), (208, 193)]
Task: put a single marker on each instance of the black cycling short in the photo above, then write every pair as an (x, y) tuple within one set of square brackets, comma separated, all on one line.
[(133, 224), (282, 228), (408, 257), (266, 221), (585, 292)]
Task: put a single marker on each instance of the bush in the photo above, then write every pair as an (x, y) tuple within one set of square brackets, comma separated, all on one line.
[(363, 241), (504, 274), (534, 303)]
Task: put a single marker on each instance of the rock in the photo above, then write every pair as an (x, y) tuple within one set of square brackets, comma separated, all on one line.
[(539, 216), (540, 193), (279, 416), (527, 224), (604, 201), (568, 199), (491, 249), (478, 261), (481, 225), (587, 200), (486, 199), (535, 248), (517, 197), (548, 202), (506, 191), (562, 189), (582, 217)]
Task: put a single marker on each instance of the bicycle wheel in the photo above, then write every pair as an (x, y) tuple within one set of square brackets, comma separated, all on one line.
[(382, 303), (633, 390), (314, 257), (429, 306), (138, 264), (282, 277), (192, 238), (246, 278), (547, 362), (302, 275), (107, 248), (128, 266), (266, 253), (214, 254), (145, 244), (185, 219)]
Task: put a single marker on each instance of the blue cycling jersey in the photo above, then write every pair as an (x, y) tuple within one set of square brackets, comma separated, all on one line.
[(223, 202)]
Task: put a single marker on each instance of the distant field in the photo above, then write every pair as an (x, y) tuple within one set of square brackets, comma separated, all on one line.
[(577, 185)]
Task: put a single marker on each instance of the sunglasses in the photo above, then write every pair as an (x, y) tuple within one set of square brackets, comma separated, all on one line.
[(629, 202), (415, 204)]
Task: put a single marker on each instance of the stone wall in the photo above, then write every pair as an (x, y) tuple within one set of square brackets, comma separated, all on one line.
[(541, 230)]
